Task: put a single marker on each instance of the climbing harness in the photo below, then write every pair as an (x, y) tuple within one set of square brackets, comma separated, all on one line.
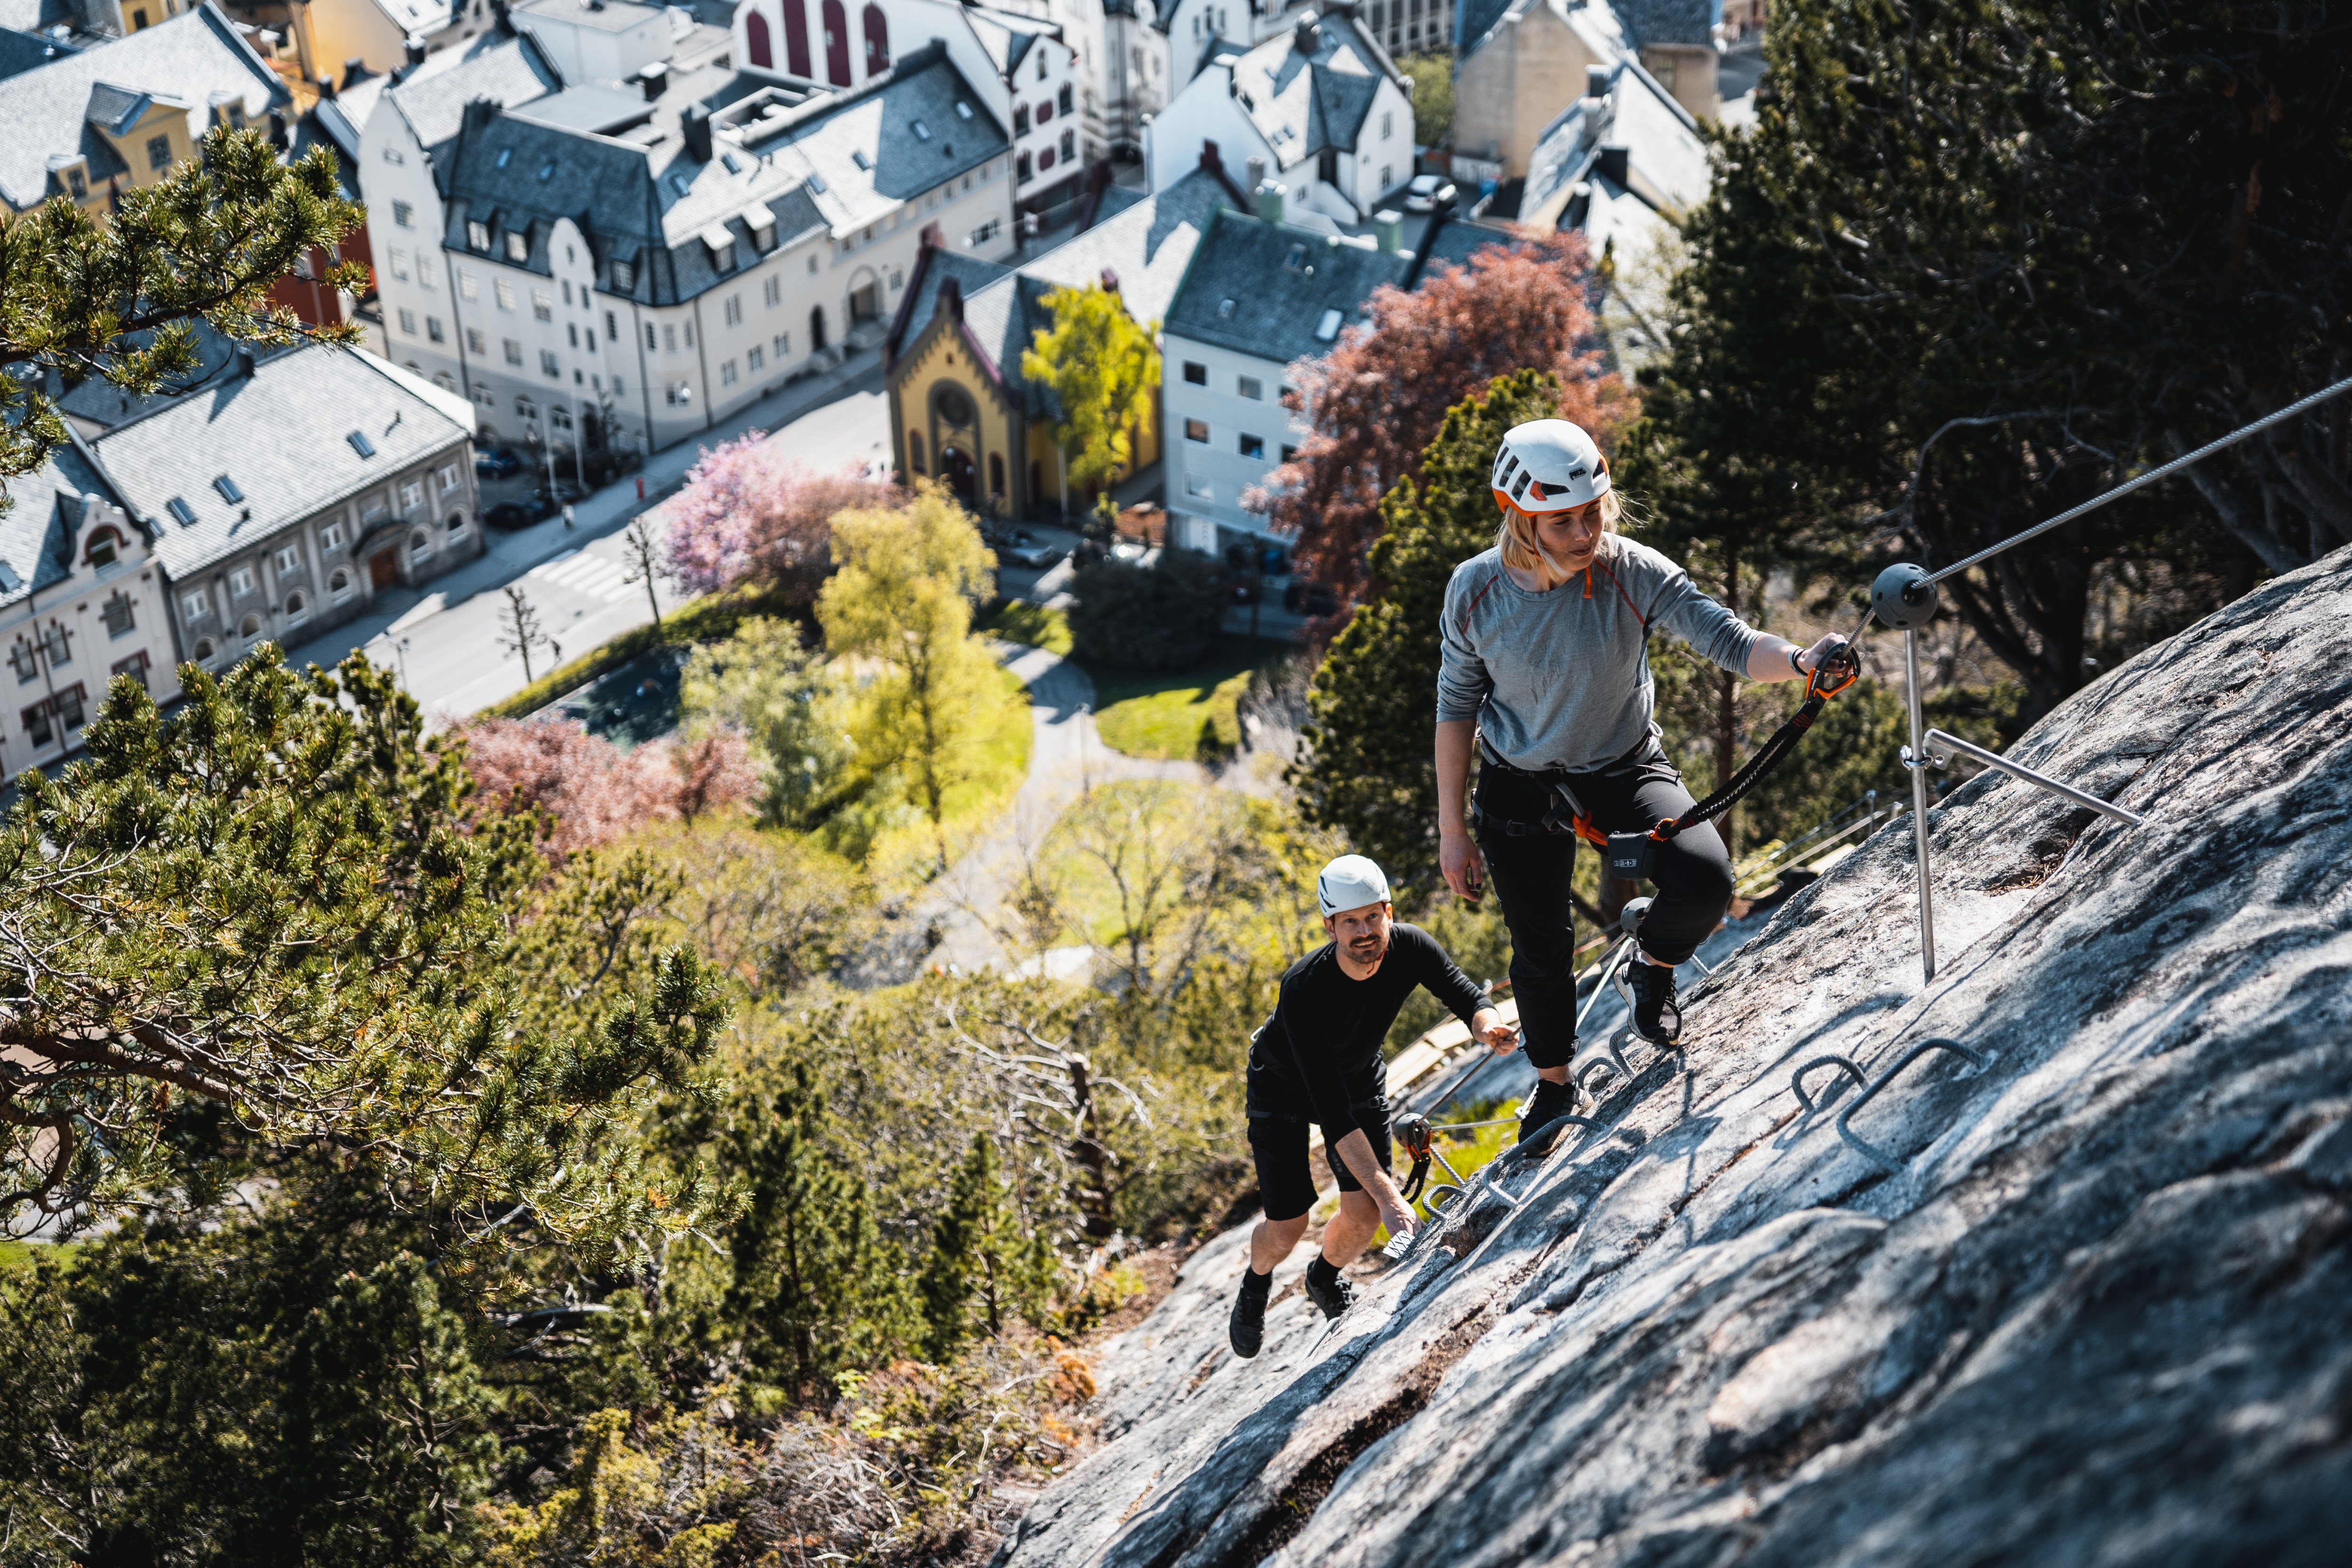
[(1634, 857), (1974, 1058)]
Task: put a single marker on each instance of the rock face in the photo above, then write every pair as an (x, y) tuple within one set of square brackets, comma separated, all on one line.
[(2100, 1311)]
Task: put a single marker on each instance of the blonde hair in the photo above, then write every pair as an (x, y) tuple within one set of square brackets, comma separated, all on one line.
[(1516, 538)]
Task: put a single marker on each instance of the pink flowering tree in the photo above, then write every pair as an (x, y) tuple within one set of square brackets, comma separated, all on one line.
[(748, 514), (595, 792)]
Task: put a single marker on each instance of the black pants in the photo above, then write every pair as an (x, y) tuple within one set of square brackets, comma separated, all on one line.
[(1286, 1179), (1530, 874)]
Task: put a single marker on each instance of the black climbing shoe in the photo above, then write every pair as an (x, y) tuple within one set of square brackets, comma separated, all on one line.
[(1248, 1329), (1551, 1102), (1656, 1017), (1333, 1294)]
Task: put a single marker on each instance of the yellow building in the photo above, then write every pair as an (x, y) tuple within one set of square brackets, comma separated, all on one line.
[(118, 117), (960, 409)]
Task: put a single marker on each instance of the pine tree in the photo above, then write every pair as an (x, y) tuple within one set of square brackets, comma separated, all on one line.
[(1371, 770), (985, 1270)]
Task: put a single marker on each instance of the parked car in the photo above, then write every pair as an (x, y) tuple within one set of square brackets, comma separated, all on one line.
[(497, 463), (508, 514), (1036, 557), (1427, 193)]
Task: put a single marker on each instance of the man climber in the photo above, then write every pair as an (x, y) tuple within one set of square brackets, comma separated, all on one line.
[(1318, 1060)]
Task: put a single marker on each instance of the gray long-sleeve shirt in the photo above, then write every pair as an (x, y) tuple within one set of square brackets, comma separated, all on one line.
[(1561, 679)]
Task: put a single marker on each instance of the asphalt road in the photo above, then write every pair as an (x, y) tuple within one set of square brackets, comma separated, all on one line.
[(443, 639)]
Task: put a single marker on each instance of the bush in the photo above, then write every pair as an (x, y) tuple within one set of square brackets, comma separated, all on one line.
[(1164, 616)]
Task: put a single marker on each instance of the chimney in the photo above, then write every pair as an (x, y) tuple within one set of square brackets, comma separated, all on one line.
[(278, 133), (414, 51), (1614, 165), (1256, 167), (1307, 36), (327, 87), (1389, 223), (952, 299), (655, 77), (1269, 201), (246, 362), (355, 70), (1210, 160), (695, 126), (1596, 81)]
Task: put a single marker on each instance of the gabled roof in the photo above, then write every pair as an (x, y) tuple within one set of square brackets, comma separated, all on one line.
[(509, 71), (37, 532), (282, 435), (1270, 288), (1593, 23), (1302, 104), (1655, 22), (192, 59), (1451, 241), (1666, 166)]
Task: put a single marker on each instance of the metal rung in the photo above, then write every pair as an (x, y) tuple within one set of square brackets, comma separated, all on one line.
[(1939, 741), (1974, 1058)]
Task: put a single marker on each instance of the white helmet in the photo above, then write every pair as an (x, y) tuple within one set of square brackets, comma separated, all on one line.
[(1349, 883), (1549, 465)]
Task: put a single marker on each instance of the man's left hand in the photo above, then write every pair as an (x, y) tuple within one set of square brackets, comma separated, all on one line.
[(1487, 1025)]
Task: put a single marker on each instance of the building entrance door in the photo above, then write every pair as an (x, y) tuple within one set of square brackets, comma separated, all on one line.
[(382, 571), (960, 471)]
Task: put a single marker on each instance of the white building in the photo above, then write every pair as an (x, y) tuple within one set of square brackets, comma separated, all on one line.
[(1026, 72), (618, 263), (1322, 106), (82, 601)]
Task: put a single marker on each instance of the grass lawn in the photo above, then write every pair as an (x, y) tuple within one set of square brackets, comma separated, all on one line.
[(1015, 621), (19, 1255), (905, 855), (1180, 713)]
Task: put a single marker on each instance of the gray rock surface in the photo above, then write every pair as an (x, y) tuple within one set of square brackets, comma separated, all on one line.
[(2100, 1311)]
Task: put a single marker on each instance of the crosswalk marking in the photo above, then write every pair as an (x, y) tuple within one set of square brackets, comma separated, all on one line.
[(590, 575)]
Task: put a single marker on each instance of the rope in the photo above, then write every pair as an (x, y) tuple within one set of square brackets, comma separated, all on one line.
[(1769, 755)]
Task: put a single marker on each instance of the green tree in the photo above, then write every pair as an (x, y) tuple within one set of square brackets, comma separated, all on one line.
[(1370, 770), (1167, 616), (120, 301), (763, 681), (813, 1291), (983, 1271), (1103, 370), (902, 599), (270, 911), (1432, 99)]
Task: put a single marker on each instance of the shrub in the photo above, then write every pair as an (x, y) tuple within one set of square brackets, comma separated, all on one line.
[(1163, 616)]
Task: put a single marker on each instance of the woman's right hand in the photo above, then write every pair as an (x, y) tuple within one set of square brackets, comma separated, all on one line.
[(1464, 867)]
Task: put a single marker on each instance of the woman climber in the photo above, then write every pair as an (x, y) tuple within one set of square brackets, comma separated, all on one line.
[(1546, 676)]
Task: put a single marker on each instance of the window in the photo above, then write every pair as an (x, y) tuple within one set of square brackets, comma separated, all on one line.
[(505, 292), (547, 363), (1022, 172), (360, 444), (1327, 328), (567, 290), (1069, 146), (338, 586), (727, 372), (473, 343), (996, 474), (1252, 447), (1021, 121), (104, 547), (57, 644), (240, 582), (298, 608), (1388, 176), (513, 347), (1041, 65), (287, 559), (447, 479), (420, 546), (331, 536), (252, 630), (135, 667), (734, 309), (526, 410), (456, 525), (1196, 430), (1199, 488), (812, 263), (408, 323), (477, 235), (392, 155), (467, 286), (38, 728), (772, 293), (373, 508), (518, 246), (194, 604), (783, 346), (624, 276), (677, 395), (432, 329), (399, 263), (27, 660), (689, 334), (612, 328), (68, 705), (412, 495), (159, 152), (116, 614), (754, 357), (542, 305), (204, 650), (650, 342), (1388, 124), (915, 451), (573, 330), (179, 508), (1062, 98), (1251, 387), (1196, 373), (1289, 453), (77, 185), (984, 234)]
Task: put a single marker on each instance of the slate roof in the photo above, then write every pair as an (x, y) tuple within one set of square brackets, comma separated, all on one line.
[(970, 274), (1666, 157), (282, 435), (1148, 246), (1300, 105), (1264, 288), (190, 58), (1451, 241), (507, 71), (833, 162), (1668, 21), (1592, 21), (24, 51), (97, 401), (37, 532)]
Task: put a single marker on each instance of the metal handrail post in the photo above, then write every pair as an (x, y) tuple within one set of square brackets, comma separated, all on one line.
[(1915, 759), (1939, 741)]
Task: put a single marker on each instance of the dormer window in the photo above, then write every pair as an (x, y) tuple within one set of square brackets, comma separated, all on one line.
[(105, 545), (77, 184), (624, 276), (518, 246), (477, 235)]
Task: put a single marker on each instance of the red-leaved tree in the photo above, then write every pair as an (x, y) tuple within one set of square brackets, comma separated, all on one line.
[(596, 791), (749, 515), (1379, 397)]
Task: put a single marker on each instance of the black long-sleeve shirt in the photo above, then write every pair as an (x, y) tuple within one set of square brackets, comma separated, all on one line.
[(1318, 1056)]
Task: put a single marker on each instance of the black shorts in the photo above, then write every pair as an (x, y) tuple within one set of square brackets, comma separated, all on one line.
[(1286, 1180)]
